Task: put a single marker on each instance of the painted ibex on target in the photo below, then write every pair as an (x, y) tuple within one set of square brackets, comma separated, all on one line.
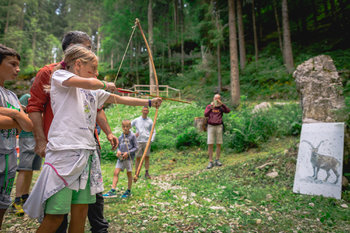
[(325, 162)]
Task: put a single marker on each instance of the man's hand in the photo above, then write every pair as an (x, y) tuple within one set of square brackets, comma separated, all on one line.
[(125, 155), (113, 140), (40, 147), (137, 134), (219, 102)]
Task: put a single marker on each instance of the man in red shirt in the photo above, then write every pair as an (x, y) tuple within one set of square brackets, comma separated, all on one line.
[(40, 112), (214, 112)]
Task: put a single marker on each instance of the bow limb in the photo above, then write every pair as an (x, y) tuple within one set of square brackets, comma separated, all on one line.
[(137, 22)]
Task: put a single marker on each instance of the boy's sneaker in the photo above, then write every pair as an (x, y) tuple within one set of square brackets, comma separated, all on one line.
[(17, 209), (217, 163), (210, 165), (126, 194), (110, 193)]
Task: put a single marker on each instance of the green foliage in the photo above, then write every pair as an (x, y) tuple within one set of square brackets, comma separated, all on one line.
[(191, 137), (245, 129)]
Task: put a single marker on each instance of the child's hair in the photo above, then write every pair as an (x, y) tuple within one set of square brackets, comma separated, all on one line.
[(74, 37), (72, 54), (5, 51), (126, 121)]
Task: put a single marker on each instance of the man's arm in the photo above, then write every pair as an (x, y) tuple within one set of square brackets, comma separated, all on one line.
[(103, 123), (207, 111), (225, 108), (38, 131)]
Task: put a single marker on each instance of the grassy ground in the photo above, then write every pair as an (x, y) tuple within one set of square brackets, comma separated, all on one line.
[(238, 197)]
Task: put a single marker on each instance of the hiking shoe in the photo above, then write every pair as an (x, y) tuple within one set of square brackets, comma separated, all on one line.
[(210, 165), (147, 176), (110, 193), (126, 194), (217, 163), (17, 209)]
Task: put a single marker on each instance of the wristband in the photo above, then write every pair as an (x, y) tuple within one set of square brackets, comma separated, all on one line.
[(104, 85), (149, 103)]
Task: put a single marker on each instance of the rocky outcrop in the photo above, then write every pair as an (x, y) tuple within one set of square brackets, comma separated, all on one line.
[(320, 88)]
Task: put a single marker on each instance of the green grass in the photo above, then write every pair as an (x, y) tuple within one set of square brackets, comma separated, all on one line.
[(184, 196)]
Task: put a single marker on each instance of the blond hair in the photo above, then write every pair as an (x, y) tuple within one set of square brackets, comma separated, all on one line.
[(126, 122), (71, 54), (74, 53)]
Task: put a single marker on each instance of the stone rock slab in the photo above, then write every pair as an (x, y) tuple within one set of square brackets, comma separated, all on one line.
[(326, 139)]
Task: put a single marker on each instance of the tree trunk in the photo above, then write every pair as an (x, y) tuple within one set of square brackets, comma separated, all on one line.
[(242, 54), (112, 62), (175, 19), (150, 42), (21, 18), (234, 74), (168, 44), (7, 17), (218, 55), (278, 26), (325, 7), (254, 31), (333, 11), (287, 44), (182, 25), (137, 55), (34, 47), (98, 40), (314, 14), (218, 46)]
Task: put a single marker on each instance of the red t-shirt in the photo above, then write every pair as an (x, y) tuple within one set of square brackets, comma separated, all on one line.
[(40, 101)]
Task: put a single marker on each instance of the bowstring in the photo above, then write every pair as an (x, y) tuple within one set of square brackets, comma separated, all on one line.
[(126, 50), (121, 63)]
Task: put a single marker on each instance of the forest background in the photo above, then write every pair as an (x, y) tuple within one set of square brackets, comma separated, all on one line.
[(244, 49), (190, 41)]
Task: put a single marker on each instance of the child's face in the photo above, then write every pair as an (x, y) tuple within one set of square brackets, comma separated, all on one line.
[(126, 126), (88, 70), (9, 68)]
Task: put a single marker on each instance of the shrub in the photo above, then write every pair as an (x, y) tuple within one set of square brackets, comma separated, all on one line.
[(245, 129), (190, 137)]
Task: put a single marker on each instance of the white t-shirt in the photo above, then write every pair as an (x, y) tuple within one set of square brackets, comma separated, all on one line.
[(74, 111), (143, 127)]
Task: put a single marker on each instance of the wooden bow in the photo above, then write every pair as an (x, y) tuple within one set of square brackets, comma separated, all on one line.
[(137, 22)]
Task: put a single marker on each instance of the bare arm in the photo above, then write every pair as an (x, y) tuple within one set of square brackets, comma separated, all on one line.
[(38, 131), (103, 123), (19, 116), (8, 123), (88, 83), (126, 100)]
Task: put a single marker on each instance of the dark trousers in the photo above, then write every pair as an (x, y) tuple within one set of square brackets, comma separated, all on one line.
[(95, 215)]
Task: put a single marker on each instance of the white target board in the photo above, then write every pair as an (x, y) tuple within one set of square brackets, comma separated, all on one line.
[(320, 160)]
